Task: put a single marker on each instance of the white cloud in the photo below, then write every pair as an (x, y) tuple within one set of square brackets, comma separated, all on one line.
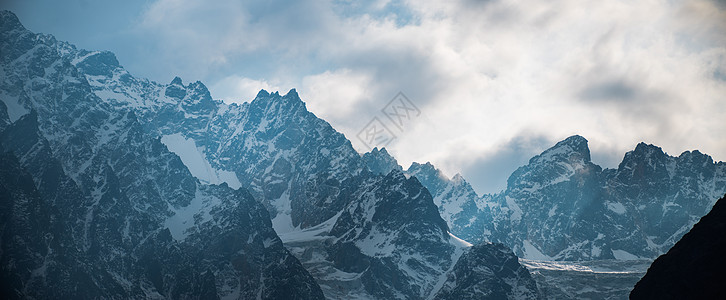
[(334, 96), (239, 89), (483, 73)]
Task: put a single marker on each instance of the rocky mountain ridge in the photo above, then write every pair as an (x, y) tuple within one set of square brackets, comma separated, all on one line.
[(160, 191), (561, 206)]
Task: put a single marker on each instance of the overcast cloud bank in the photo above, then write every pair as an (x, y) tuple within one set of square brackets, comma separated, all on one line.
[(496, 81)]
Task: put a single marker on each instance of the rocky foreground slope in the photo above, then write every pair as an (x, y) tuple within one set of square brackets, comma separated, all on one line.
[(693, 268)]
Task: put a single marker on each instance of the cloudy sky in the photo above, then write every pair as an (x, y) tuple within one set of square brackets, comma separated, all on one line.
[(495, 82)]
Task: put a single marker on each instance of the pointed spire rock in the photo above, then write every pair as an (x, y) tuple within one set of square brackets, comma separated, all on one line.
[(262, 93), (380, 161), (565, 150), (292, 93), (177, 81), (176, 89), (578, 144), (643, 153)]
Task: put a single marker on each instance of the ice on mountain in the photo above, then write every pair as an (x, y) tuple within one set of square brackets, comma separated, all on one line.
[(624, 255), (531, 252), (15, 109), (456, 241), (282, 222), (616, 207), (195, 160)]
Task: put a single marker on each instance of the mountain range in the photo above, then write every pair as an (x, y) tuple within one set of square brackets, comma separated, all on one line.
[(114, 186), (120, 187), (561, 206)]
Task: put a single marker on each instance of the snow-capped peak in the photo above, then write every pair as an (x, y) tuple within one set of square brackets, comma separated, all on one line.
[(571, 147)]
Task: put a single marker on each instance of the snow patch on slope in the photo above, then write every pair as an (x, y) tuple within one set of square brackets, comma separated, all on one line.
[(15, 109), (616, 207), (195, 160), (449, 206), (516, 211), (79, 59), (282, 222), (184, 218), (624, 255), (315, 233), (458, 242), (531, 252)]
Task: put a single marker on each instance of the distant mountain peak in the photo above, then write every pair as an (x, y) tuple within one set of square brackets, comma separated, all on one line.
[(9, 21), (292, 93), (176, 89), (290, 98), (425, 167), (642, 147), (177, 81), (293, 98), (696, 155), (575, 139), (457, 178), (382, 150), (285, 110), (262, 94), (379, 161), (577, 143), (644, 153), (565, 149)]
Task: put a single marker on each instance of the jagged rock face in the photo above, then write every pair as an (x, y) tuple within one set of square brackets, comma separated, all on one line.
[(693, 268), (458, 203), (106, 210), (488, 271), (287, 157), (434, 180), (398, 237), (546, 198), (667, 194), (150, 183), (304, 172), (30, 236), (562, 206)]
